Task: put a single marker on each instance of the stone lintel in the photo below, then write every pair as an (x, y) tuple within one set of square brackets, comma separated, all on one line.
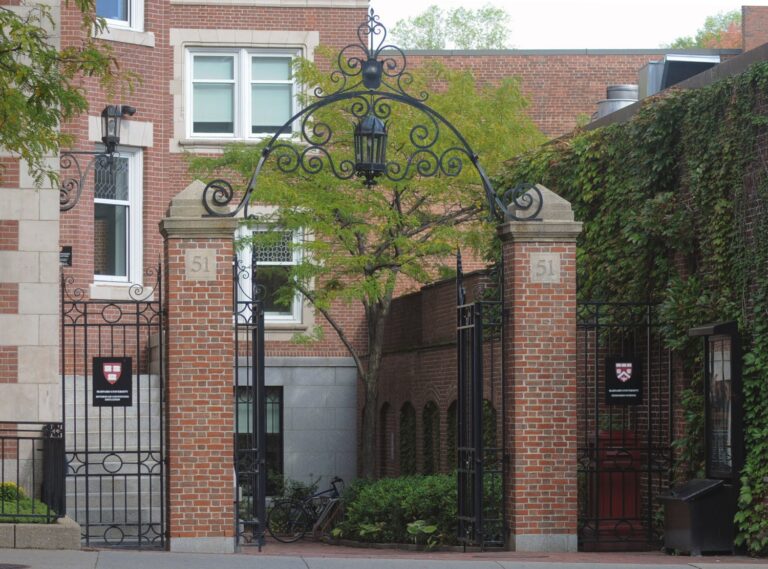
[(200, 227), (540, 231)]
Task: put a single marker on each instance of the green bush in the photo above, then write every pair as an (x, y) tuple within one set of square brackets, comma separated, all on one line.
[(11, 492), (17, 507), (381, 511)]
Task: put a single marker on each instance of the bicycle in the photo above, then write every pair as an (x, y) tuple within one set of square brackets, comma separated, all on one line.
[(289, 519)]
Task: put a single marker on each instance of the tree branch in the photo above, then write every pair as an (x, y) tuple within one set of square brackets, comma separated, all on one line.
[(337, 328)]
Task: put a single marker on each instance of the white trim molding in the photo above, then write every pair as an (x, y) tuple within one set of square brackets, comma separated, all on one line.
[(303, 43)]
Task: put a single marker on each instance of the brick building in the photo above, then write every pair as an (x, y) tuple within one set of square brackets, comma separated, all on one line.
[(209, 69)]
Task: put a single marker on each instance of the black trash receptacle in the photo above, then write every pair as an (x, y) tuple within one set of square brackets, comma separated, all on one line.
[(699, 516)]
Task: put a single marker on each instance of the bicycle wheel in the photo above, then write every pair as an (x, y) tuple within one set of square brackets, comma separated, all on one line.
[(287, 521)]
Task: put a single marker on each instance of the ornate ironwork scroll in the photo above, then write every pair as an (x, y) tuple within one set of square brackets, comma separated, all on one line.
[(370, 78), (75, 175)]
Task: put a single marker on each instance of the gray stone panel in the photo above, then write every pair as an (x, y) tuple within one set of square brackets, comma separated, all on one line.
[(319, 400), (549, 543)]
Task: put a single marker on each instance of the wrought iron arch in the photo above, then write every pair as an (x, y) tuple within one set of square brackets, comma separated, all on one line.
[(372, 75)]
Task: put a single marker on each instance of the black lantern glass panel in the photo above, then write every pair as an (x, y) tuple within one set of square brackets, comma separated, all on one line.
[(370, 148), (719, 403), (110, 126)]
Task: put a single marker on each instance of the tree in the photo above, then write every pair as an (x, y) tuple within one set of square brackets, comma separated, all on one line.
[(461, 28), (362, 245), (38, 90), (720, 31)]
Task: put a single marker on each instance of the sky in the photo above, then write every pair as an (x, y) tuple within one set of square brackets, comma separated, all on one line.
[(578, 24)]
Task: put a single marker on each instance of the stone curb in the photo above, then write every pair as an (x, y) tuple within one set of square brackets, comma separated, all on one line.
[(64, 534)]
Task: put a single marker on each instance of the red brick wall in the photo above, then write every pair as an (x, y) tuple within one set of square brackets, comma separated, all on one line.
[(563, 87), (9, 172), (754, 26), (9, 235), (166, 173), (9, 359), (9, 298), (200, 410), (419, 366), (541, 392)]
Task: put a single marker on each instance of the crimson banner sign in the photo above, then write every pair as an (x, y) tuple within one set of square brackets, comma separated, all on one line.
[(623, 381), (112, 382)]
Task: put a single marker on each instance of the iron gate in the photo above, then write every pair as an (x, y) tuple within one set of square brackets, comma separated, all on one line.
[(625, 425), (250, 402), (113, 393), (481, 452)]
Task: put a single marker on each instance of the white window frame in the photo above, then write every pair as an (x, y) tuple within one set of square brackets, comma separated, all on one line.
[(134, 227), (246, 254), (242, 96), (135, 20)]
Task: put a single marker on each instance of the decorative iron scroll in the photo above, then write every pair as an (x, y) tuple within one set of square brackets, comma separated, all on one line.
[(75, 175), (370, 78)]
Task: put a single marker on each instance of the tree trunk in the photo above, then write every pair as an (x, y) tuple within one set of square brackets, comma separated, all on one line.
[(368, 434), (376, 317)]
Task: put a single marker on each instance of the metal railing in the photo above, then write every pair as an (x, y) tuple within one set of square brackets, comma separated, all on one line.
[(31, 472)]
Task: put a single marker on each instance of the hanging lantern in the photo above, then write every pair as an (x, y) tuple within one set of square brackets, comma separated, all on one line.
[(370, 148), (111, 117)]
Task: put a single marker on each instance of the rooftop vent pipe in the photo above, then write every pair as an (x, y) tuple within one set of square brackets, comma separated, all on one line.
[(618, 97)]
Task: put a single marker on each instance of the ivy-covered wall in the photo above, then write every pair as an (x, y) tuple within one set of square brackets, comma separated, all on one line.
[(674, 204)]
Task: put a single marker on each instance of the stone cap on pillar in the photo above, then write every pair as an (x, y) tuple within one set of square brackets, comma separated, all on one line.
[(187, 216), (555, 223)]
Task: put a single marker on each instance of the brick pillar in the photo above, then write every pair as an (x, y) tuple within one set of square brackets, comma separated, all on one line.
[(198, 269), (540, 426)]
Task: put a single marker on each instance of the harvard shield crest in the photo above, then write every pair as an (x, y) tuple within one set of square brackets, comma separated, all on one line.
[(112, 371), (623, 371)]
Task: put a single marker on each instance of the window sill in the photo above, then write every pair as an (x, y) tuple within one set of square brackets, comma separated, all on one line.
[(217, 144), (125, 35), (283, 331), (104, 290)]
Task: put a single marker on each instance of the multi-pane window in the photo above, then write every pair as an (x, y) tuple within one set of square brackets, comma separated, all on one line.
[(117, 218), (121, 13), (274, 258), (274, 419), (239, 93)]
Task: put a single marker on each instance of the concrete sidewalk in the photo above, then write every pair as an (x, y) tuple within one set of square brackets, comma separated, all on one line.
[(37, 559)]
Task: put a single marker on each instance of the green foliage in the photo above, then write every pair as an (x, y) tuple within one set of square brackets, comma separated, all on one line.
[(714, 32), (38, 82), (359, 243), (10, 491), (395, 510), (423, 533), (675, 211), (486, 27), (16, 506)]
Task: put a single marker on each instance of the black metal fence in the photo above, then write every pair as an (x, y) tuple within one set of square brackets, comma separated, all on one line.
[(31, 472), (113, 388), (250, 403), (481, 449), (625, 424)]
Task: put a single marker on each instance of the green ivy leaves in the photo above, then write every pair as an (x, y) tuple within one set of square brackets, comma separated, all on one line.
[(675, 210)]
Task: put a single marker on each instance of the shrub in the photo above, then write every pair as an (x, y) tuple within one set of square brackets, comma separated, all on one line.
[(11, 492), (381, 511)]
